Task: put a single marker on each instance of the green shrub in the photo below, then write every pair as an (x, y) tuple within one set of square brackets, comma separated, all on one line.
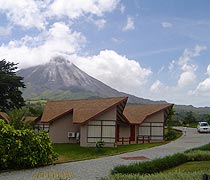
[(171, 135), (202, 148), (197, 175), (150, 167), (198, 155), (24, 148), (99, 146)]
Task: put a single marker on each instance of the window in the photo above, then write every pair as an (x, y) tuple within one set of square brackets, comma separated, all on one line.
[(152, 129), (101, 130), (41, 127)]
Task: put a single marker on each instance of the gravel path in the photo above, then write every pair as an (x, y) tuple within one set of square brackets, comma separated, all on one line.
[(96, 168)]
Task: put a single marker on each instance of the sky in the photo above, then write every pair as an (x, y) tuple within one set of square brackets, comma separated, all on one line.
[(154, 49)]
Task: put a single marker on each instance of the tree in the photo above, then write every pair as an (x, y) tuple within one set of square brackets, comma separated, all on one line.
[(171, 134), (169, 117), (207, 118), (24, 148), (189, 118), (10, 84), (17, 119)]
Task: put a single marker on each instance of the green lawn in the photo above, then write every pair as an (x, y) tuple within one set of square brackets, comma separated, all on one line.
[(191, 167), (73, 152)]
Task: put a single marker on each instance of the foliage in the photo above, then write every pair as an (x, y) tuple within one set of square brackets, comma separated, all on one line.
[(170, 115), (23, 148), (191, 166), (10, 84), (198, 112), (207, 118), (150, 167), (17, 119), (170, 135), (198, 155), (99, 145), (196, 175), (36, 110), (205, 147), (189, 118), (33, 109)]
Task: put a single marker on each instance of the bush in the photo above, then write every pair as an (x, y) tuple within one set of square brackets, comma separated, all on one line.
[(163, 176), (151, 167), (198, 155), (202, 148), (99, 146), (171, 134), (24, 148)]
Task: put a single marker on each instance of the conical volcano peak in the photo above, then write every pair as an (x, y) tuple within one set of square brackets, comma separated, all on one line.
[(60, 60)]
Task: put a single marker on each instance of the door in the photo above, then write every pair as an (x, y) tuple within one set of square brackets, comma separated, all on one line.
[(132, 133), (117, 133)]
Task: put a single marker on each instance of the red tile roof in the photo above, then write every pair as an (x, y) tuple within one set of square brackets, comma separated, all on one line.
[(83, 110), (136, 114)]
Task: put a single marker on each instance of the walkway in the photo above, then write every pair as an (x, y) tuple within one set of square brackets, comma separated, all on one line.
[(96, 168)]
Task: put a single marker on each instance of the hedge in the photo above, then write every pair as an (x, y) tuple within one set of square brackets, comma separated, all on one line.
[(24, 148)]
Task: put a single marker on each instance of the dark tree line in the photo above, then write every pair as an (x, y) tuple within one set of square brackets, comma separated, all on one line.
[(10, 86)]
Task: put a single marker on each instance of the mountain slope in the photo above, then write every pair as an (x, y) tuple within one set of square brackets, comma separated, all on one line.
[(61, 79)]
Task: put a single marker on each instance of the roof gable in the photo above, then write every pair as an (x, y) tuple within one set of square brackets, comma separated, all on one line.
[(83, 110), (136, 114)]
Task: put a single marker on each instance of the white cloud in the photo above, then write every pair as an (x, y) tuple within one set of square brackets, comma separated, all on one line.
[(166, 25), (100, 23), (187, 54), (59, 40), (156, 86), (203, 88), (171, 66), (208, 70), (159, 88), (117, 40), (25, 13), (5, 31), (188, 76), (78, 8), (29, 13), (115, 70), (122, 8), (129, 25), (161, 69)]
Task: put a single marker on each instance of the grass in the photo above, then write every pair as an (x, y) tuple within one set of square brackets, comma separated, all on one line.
[(191, 167), (197, 164), (162, 164), (195, 175), (73, 152)]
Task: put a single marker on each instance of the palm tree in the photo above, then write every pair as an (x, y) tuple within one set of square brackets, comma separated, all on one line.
[(17, 119)]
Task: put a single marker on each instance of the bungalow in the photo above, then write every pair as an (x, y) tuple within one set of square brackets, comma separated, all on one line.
[(145, 122), (108, 119), (85, 121)]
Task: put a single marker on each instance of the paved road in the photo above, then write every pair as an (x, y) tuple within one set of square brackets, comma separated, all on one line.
[(96, 168)]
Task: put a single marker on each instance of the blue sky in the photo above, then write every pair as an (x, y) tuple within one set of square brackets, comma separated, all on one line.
[(156, 49)]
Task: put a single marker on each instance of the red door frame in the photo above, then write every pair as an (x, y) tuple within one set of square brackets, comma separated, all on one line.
[(117, 133), (132, 133)]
